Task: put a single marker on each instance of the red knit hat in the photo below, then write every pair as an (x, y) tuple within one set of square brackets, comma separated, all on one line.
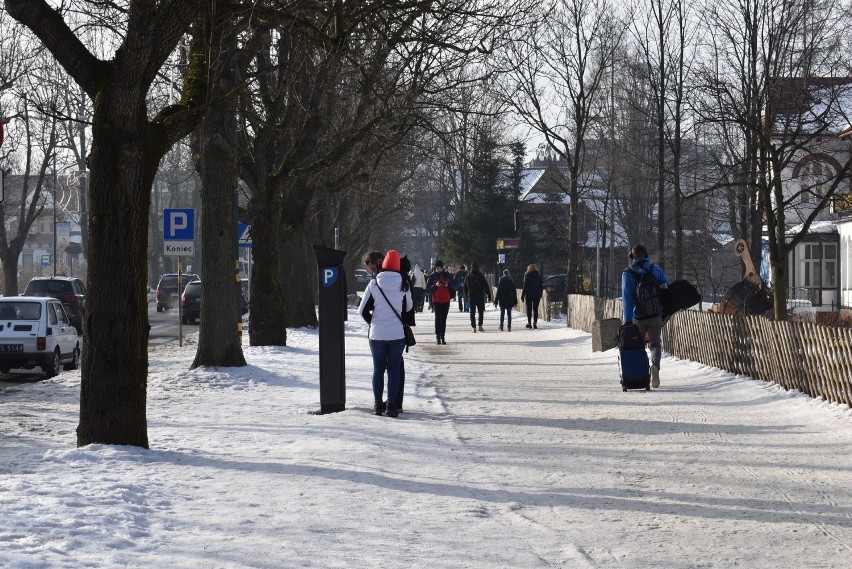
[(391, 262)]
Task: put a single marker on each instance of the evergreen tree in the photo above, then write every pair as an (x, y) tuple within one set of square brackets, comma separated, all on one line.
[(472, 237)]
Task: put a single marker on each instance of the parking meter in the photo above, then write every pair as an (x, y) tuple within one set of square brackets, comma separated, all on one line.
[(332, 315)]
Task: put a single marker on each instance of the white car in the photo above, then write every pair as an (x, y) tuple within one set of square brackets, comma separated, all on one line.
[(36, 331)]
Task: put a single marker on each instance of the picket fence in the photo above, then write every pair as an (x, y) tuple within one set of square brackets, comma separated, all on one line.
[(814, 359)]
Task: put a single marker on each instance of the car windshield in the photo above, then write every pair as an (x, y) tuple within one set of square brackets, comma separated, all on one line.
[(20, 311), (192, 287), (171, 280), (50, 287)]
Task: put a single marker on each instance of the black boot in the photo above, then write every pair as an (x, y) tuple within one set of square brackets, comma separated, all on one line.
[(392, 410), (379, 408), (443, 341), (438, 340)]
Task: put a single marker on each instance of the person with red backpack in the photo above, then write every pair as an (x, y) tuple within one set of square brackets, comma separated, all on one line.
[(440, 286), (640, 294)]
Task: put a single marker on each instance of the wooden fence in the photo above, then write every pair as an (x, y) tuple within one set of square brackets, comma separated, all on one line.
[(814, 359)]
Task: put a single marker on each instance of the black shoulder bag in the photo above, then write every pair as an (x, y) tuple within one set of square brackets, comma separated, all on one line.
[(410, 340)]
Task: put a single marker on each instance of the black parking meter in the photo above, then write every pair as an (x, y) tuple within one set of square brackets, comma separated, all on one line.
[(332, 315)]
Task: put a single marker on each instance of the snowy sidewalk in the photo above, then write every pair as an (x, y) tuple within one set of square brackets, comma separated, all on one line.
[(516, 450)]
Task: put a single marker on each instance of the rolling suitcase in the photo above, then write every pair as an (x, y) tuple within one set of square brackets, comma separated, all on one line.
[(633, 359)]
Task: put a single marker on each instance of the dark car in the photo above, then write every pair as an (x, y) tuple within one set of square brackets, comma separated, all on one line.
[(167, 289), (69, 290), (191, 302), (555, 286)]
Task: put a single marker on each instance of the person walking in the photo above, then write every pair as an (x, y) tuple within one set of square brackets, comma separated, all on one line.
[(385, 300), (531, 294), (461, 294), (506, 298), (640, 285), (440, 286), (418, 287), (477, 288)]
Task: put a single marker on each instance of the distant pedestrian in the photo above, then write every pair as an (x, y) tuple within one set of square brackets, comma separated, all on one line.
[(382, 307), (642, 304), (427, 295), (458, 283), (477, 289), (418, 287), (531, 294), (440, 286), (506, 298)]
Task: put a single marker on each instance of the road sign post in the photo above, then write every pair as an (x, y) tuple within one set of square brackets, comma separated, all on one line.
[(179, 240)]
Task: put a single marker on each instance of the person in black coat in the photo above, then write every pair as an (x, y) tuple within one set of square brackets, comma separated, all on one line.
[(531, 294), (506, 298), (476, 288)]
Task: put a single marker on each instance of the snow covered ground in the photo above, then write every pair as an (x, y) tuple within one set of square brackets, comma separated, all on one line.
[(515, 450)]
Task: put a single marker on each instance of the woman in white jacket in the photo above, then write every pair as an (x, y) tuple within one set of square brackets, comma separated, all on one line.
[(382, 308)]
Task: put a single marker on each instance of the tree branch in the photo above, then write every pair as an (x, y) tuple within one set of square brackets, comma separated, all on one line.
[(47, 24)]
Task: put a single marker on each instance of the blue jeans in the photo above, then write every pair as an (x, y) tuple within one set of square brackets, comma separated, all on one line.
[(387, 356)]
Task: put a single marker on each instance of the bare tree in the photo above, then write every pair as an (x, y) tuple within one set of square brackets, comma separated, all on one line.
[(557, 69), (774, 82), (127, 145), (665, 34), (334, 95), (37, 137)]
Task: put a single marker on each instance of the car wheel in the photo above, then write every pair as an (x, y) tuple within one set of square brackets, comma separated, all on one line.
[(159, 308), (52, 369), (75, 361)]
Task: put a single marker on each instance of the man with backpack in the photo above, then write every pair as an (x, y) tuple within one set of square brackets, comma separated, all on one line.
[(640, 285)]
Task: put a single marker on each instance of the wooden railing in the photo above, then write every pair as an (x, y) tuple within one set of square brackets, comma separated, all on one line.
[(814, 359)]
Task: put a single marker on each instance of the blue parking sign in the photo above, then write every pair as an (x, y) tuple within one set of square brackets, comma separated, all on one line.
[(178, 224), (328, 276)]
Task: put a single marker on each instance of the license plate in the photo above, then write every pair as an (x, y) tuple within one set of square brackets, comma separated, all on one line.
[(11, 347)]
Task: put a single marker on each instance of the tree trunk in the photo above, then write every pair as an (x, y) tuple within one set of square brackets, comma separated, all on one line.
[(299, 271), (115, 346), (10, 273), (267, 320), (573, 284), (220, 333), (219, 336)]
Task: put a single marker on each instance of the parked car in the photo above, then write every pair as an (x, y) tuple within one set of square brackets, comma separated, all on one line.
[(36, 331), (555, 286), (69, 290), (167, 289), (191, 302), (362, 279)]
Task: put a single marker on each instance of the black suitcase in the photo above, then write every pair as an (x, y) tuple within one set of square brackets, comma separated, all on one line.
[(633, 359)]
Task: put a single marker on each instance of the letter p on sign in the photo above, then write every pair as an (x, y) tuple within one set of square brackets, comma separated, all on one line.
[(179, 221), (329, 276)]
